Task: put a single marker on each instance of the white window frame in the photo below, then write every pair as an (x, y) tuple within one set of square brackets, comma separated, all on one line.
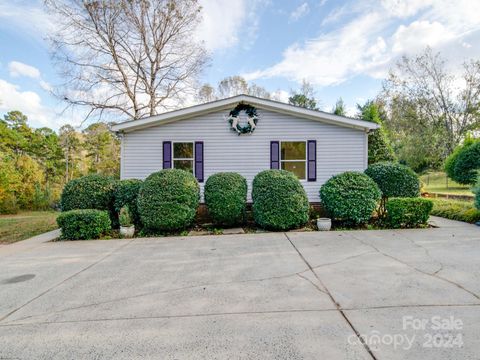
[(192, 159), (306, 156)]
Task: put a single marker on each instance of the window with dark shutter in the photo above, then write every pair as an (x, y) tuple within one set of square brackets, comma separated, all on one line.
[(274, 155), (167, 154), (199, 160), (312, 160)]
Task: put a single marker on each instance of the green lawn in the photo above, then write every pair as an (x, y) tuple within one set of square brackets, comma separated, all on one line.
[(23, 225), (437, 183)]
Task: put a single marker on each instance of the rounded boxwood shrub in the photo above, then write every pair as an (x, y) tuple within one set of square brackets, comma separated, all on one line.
[(279, 200), (476, 191), (226, 198), (88, 192), (408, 212), (125, 194), (468, 164), (168, 200), (394, 179), (350, 197), (83, 224)]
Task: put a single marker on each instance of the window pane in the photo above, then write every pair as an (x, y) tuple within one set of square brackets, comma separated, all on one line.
[(296, 167), (183, 165), (293, 150), (183, 150)]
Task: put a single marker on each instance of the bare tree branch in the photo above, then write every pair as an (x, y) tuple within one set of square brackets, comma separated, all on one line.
[(130, 57)]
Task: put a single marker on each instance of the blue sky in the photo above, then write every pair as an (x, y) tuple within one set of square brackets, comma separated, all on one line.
[(344, 48)]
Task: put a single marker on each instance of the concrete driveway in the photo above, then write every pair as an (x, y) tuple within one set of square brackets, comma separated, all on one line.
[(409, 294)]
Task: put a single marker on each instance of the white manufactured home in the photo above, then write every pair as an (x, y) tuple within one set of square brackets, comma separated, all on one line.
[(246, 135)]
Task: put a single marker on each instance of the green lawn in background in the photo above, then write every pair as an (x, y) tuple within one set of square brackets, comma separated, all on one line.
[(23, 225), (436, 182)]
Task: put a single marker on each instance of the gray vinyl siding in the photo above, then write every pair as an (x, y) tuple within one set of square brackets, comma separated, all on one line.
[(338, 148)]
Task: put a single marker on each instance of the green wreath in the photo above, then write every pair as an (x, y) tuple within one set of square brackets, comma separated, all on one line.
[(252, 119)]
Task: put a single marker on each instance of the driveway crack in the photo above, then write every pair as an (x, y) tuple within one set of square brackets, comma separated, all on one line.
[(63, 281), (337, 305), (166, 291), (434, 274)]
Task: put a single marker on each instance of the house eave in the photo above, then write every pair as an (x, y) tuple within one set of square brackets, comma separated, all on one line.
[(225, 104)]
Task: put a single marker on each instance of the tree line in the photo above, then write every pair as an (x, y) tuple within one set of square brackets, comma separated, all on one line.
[(35, 164)]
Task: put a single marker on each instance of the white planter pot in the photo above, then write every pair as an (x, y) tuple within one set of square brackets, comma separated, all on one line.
[(127, 231), (324, 224)]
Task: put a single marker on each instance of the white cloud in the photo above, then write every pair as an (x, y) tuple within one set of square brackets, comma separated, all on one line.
[(28, 102), (45, 86), (225, 22), (405, 8), (221, 22), (333, 57), (419, 34), (300, 12), (17, 69), (372, 38), (29, 17), (280, 95)]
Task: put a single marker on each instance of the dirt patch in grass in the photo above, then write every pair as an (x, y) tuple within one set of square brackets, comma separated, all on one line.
[(25, 225)]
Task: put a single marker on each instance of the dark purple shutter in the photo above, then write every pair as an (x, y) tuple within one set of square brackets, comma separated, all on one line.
[(274, 155), (312, 160), (199, 160), (167, 154)]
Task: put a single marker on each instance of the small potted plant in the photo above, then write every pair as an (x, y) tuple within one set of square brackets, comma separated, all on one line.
[(324, 224), (127, 229)]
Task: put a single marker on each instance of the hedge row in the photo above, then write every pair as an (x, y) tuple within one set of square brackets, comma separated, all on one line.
[(456, 210), (167, 200), (408, 212), (83, 224)]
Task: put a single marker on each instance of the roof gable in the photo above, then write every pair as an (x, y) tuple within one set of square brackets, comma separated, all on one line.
[(218, 105)]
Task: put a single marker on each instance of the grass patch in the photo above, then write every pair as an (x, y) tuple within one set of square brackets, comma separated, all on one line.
[(456, 210), (436, 182), (24, 225)]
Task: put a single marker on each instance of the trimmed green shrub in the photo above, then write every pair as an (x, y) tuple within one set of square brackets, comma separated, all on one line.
[(350, 197), (394, 179), (279, 200), (125, 194), (226, 198), (451, 160), (408, 212), (476, 191), (456, 210), (83, 224), (468, 164), (88, 192), (168, 200)]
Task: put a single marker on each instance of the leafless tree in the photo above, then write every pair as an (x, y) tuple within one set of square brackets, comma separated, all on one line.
[(231, 86), (447, 103), (258, 91), (206, 93), (134, 57)]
